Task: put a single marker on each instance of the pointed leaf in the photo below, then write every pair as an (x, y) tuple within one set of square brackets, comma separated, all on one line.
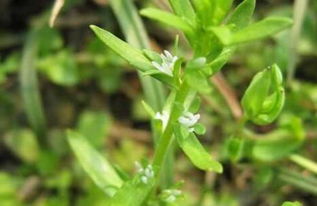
[(96, 166), (132, 55), (217, 64), (261, 29), (167, 18), (195, 151), (242, 14)]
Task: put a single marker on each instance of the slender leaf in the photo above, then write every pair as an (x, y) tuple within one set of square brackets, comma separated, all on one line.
[(132, 55), (30, 88), (167, 18), (96, 166), (195, 151), (261, 29)]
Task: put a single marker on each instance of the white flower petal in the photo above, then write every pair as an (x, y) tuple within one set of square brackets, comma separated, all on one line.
[(189, 120), (144, 179), (167, 64), (168, 54)]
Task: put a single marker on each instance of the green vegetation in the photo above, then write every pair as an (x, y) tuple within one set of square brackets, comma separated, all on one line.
[(164, 103)]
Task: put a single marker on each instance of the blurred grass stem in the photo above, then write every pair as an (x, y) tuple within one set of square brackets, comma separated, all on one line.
[(300, 8), (30, 88), (304, 162)]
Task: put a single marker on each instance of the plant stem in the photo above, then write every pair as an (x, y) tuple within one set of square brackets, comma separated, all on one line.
[(304, 162), (306, 183), (300, 7), (166, 137), (135, 33)]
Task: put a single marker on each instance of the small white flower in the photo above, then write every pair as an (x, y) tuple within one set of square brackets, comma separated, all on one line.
[(138, 167), (144, 179), (170, 199), (168, 61), (164, 116), (189, 120), (172, 195), (146, 173)]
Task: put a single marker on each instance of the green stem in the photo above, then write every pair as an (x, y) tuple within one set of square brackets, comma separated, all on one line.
[(300, 7), (298, 180), (166, 137), (304, 162), (136, 35)]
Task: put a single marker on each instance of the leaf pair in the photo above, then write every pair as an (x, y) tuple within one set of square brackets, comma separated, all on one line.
[(264, 98)]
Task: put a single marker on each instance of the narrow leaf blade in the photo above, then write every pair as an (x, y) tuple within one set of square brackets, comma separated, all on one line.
[(134, 56), (196, 152), (167, 18), (30, 88), (260, 30), (96, 166)]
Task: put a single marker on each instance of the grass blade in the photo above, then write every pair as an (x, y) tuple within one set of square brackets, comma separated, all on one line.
[(30, 88)]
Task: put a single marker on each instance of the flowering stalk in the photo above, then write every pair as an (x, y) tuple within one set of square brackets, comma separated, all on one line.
[(166, 137)]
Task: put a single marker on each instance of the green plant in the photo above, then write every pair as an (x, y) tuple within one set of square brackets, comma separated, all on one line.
[(213, 32)]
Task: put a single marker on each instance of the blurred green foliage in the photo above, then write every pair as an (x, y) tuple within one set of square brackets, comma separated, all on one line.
[(85, 86)]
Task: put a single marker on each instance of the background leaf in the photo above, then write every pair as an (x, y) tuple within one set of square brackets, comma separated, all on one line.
[(96, 166)]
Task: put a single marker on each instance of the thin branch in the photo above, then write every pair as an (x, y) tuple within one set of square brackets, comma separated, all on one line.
[(228, 93), (300, 7), (58, 5)]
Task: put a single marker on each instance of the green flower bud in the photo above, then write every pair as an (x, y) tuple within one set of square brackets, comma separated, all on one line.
[(265, 97)]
